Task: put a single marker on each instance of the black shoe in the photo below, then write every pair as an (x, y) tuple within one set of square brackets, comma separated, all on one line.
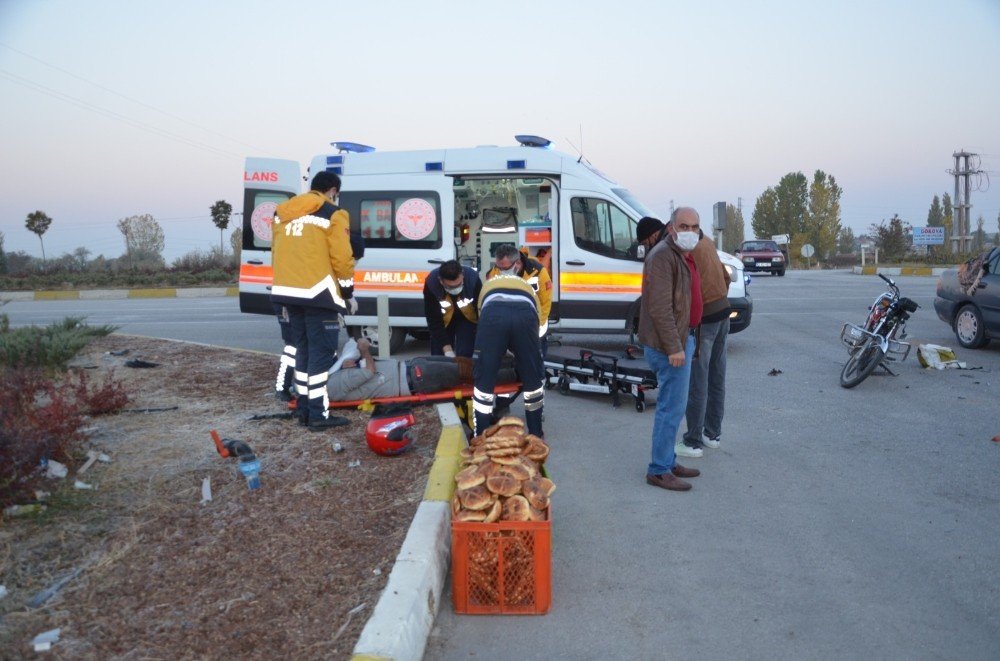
[(327, 423)]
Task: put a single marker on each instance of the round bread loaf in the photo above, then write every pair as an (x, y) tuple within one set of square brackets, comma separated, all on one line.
[(510, 421), (506, 461), (536, 451), (528, 465), (503, 452), (535, 494), (470, 515), (547, 484), (465, 453), (503, 485), (517, 470), (497, 442), (469, 477), (536, 514), (489, 431), (494, 512), (475, 498), (515, 508)]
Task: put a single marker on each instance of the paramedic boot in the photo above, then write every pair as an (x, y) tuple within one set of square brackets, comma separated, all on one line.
[(329, 422)]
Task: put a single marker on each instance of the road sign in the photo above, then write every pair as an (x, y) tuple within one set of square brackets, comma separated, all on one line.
[(808, 250), (928, 236), (780, 238)]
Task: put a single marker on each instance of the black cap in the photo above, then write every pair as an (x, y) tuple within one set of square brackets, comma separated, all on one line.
[(647, 227)]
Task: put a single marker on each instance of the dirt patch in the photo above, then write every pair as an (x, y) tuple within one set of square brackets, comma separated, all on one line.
[(251, 574)]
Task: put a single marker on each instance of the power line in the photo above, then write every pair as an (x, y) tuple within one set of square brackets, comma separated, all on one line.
[(114, 115), (128, 98)]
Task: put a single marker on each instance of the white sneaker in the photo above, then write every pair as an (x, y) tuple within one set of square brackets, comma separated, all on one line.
[(711, 442), (682, 450)]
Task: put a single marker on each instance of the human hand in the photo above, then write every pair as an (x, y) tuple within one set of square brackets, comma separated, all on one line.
[(449, 352), (352, 306), (676, 359)]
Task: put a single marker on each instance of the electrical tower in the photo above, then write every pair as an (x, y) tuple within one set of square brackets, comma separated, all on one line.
[(961, 235)]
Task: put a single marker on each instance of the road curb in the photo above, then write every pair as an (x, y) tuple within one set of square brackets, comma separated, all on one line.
[(115, 294), (900, 270), (405, 612)]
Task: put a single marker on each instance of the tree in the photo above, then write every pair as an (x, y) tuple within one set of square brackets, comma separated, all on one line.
[(935, 215), (3, 257), (845, 241), (891, 238), (735, 233), (822, 223), (38, 223), (979, 238), (221, 211), (143, 240), (236, 243), (782, 209), (948, 219)]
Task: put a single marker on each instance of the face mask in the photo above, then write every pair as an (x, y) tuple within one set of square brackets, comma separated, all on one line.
[(686, 240), (454, 291), (511, 271)]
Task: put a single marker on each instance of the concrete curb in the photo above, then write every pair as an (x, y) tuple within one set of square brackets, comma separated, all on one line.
[(405, 612), (116, 294), (900, 270)]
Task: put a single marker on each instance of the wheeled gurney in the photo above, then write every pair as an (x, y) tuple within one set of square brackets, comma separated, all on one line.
[(575, 368)]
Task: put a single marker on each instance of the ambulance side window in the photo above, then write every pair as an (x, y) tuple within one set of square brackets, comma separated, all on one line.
[(395, 219), (601, 227)]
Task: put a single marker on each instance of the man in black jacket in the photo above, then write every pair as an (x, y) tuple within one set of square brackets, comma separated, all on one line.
[(451, 299)]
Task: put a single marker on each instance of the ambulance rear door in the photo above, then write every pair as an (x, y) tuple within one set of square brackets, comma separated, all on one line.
[(408, 224), (267, 182)]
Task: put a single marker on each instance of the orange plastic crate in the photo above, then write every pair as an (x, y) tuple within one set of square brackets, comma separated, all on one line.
[(502, 568)]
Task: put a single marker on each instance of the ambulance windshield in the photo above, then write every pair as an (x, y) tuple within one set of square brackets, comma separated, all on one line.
[(631, 200)]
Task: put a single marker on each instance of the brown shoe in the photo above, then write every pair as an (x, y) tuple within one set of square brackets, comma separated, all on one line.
[(667, 481), (680, 471)]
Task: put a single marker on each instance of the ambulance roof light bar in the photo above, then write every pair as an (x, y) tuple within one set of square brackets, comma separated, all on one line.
[(533, 141), (351, 147)]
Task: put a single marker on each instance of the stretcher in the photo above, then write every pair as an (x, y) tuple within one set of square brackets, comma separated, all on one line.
[(459, 394), (571, 368)]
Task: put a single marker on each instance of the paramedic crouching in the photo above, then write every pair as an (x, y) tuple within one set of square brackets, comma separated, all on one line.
[(451, 293), (508, 320)]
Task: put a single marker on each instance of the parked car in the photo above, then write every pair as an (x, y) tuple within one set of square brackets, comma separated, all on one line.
[(975, 316), (762, 255)]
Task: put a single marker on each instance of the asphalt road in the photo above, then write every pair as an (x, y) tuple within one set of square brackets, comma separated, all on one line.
[(831, 523)]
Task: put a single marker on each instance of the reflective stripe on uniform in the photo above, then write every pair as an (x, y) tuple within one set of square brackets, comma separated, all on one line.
[(326, 283), (534, 399)]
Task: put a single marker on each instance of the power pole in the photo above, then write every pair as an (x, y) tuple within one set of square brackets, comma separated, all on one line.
[(961, 236)]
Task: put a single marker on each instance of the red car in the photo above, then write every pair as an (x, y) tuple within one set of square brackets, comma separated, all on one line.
[(762, 255)]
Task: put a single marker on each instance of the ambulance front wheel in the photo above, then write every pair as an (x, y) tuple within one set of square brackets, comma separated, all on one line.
[(397, 337), (563, 385)]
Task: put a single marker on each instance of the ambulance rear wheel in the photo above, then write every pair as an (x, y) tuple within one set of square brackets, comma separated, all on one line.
[(397, 337), (640, 405)]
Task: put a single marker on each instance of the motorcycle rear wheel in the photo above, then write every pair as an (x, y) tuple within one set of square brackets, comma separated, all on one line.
[(862, 363)]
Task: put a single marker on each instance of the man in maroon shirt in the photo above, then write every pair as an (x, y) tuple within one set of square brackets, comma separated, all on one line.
[(669, 314)]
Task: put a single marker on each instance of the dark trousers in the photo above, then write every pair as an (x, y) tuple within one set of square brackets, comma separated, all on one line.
[(314, 334), (461, 336), (504, 326), (286, 366)]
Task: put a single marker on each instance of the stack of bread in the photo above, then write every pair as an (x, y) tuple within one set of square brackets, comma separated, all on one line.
[(500, 478)]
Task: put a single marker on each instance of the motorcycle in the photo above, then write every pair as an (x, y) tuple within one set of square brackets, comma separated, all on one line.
[(879, 341)]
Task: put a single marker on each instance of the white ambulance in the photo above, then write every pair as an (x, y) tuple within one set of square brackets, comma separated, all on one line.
[(418, 209)]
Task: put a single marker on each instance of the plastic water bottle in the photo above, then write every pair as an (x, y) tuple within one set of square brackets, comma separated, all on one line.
[(250, 468)]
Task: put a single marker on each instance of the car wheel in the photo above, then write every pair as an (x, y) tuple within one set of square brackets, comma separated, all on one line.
[(397, 336), (781, 272), (969, 327)]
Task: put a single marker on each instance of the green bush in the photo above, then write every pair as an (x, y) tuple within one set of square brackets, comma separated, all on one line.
[(48, 347)]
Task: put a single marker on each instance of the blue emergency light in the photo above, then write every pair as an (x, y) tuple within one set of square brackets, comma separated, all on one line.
[(353, 147), (532, 141)]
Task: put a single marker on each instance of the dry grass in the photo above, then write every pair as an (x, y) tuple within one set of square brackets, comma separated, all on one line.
[(248, 575)]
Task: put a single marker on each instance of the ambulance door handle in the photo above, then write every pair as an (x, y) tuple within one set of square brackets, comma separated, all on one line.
[(575, 262), (435, 261), (254, 261)]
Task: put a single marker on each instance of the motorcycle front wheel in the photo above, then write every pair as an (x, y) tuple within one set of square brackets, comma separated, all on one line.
[(862, 363)]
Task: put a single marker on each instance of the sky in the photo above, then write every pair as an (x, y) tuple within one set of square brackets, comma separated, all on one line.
[(117, 108)]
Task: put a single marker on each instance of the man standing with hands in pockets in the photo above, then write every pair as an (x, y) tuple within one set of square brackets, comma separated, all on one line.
[(669, 314)]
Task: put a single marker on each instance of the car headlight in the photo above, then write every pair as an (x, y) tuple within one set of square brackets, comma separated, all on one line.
[(748, 260), (778, 259)]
